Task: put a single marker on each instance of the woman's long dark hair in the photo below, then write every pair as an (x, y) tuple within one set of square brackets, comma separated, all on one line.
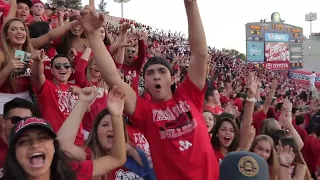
[(93, 141), (215, 140), (60, 166)]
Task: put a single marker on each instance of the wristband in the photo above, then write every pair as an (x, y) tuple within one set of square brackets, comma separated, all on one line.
[(253, 100), (284, 166)]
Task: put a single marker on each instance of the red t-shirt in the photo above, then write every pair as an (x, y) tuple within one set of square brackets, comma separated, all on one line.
[(101, 101), (219, 156), (214, 110), (84, 169), (132, 72), (307, 153), (258, 119), (56, 103), (3, 155), (137, 138), (21, 81), (178, 136), (315, 149), (302, 132)]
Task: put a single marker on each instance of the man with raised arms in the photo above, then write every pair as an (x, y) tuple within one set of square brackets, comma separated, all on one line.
[(172, 121)]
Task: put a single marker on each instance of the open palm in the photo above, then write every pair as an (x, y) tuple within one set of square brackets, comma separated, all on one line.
[(116, 101)]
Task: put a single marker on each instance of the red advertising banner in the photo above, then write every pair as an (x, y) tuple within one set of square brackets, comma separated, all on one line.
[(277, 65), (302, 77), (277, 51)]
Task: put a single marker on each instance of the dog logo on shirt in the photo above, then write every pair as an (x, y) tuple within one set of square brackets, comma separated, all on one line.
[(1, 173), (127, 175)]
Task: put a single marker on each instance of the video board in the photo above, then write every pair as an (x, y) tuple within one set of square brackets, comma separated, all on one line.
[(282, 44)]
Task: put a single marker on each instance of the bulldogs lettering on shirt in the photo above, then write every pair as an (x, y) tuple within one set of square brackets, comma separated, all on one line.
[(179, 113)]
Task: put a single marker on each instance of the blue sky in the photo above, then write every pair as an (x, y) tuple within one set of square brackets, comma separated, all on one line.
[(224, 21)]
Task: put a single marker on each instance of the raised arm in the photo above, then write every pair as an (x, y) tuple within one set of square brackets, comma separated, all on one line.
[(51, 35), (37, 68), (90, 21), (12, 12), (270, 96), (248, 112), (117, 155), (69, 129), (198, 45)]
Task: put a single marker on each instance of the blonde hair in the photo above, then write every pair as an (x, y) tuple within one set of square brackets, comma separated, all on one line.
[(269, 126), (273, 161), (101, 83), (9, 51)]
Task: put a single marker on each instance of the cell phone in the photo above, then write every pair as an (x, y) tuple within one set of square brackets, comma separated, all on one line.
[(20, 55)]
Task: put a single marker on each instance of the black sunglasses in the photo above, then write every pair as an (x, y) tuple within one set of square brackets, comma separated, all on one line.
[(16, 119), (59, 66)]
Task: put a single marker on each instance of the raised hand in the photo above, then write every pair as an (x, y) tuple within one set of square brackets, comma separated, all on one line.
[(287, 105), (286, 155), (38, 55), (124, 28), (253, 86), (90, 19), (116, 100), (127, 42), (72, 53), (274, 84), (86, 95)]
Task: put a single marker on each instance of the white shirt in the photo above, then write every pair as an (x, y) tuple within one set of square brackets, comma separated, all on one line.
[(312, 78)]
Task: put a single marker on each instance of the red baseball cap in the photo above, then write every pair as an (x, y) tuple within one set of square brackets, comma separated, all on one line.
[(37, 2)]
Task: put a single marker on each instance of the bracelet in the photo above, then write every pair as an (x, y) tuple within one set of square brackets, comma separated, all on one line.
[(284, 166), (253, 100)]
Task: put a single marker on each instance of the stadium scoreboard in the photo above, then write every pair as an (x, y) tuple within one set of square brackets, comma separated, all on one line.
[(256, 31), (275, 44)]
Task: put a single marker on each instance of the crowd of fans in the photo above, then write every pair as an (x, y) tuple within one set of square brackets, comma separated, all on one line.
[(83, 98)]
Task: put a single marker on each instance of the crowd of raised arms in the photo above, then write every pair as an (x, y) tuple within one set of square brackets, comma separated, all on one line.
[(82, 98)]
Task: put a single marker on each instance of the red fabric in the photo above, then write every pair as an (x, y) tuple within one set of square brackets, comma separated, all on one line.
[(315, 149), (84, 169), (3, 155), (302, 132), (132, 72), (4, 10), (178, 127), (56, 105), (307, 153), (99, 104), (238, 103), (217, 110), (137, 139), (258, 119), (22, 82), (219, 156)]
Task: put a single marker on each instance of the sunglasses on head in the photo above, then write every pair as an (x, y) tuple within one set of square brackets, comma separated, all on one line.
[(60, 65)]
